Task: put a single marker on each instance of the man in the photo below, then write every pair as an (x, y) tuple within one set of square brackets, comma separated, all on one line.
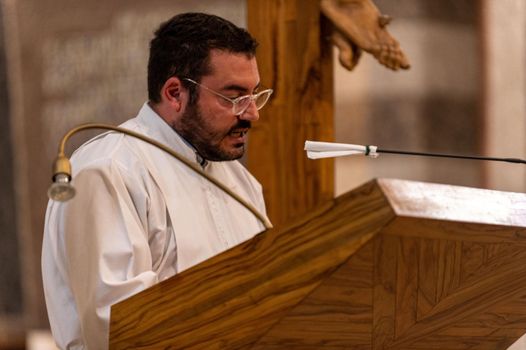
[(139, 215)]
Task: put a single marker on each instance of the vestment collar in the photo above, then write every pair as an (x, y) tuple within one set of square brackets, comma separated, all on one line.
[(160, 130)]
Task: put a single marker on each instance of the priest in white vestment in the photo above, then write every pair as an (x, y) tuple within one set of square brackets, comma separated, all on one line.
[(140, 215)]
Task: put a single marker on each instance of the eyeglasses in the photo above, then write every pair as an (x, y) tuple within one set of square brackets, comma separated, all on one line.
[(241, 103)]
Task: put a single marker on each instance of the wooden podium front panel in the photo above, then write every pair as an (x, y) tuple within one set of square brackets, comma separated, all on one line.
[(338, 314), (232, 300), (391, 265), (402, 291), (466, 294)]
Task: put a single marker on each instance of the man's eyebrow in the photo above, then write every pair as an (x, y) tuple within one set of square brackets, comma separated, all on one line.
[(239, 88)]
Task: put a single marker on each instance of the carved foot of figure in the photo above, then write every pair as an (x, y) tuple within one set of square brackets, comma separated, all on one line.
[(358, 23)]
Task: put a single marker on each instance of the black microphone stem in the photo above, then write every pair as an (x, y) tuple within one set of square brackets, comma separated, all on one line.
[(508, 160)]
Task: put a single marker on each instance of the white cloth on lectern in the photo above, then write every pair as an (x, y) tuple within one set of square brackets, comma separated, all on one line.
[(139, 217)]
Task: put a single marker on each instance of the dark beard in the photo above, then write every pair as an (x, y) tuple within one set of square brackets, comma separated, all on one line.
[(193, 128)]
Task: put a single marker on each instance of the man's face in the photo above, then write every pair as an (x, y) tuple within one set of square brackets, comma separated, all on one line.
[(210, 125)]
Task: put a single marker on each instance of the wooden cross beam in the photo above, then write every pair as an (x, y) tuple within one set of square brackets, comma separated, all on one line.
[(295, 59)]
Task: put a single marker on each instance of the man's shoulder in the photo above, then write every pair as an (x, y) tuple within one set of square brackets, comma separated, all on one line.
[(104, 149)]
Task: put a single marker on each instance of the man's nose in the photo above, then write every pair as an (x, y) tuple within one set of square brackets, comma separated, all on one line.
[(251, 113)]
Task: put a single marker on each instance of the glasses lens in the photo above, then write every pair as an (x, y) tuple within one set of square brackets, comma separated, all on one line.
[(262, 98), (242, 104)]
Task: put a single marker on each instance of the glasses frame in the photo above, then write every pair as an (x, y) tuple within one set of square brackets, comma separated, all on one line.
[(235, 101)]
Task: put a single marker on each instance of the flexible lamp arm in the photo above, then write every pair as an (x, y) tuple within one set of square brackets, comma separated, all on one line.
[(61, 189)]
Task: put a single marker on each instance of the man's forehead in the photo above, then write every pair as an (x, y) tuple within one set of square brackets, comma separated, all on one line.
[(232, 67)]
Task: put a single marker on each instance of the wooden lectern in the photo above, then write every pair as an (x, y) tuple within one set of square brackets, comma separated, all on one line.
[(391, 265)]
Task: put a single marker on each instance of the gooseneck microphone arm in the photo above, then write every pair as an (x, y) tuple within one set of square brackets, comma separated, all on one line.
[(442, 155), (61, 189)]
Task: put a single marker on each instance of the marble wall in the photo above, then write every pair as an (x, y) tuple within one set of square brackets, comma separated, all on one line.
[(433, 107), (504, 33), (10, 278), (464, 94)]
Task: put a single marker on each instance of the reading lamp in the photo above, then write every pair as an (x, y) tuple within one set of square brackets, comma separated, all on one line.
[(61, 189)]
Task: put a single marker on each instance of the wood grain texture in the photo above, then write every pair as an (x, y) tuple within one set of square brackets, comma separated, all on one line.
[(233, 299), (455, 203), (295, 59), (351, 275), (410, 306), (337, 313), (384, 290), (459, 314)]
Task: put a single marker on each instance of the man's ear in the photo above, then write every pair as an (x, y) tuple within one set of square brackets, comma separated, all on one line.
[(174, 94)]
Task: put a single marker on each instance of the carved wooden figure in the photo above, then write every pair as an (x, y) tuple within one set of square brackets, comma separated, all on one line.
[(358, 25)]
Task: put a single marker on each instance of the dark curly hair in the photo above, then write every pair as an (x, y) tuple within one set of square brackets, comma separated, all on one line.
[(181, 47)]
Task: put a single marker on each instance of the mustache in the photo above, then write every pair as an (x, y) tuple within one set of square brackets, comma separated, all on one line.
[(242, 124)]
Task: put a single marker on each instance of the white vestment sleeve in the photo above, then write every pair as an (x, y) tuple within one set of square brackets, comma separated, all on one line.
[(106, 245)]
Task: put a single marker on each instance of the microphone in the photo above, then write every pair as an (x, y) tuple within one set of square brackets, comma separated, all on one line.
[(61, 189), (317, 150)]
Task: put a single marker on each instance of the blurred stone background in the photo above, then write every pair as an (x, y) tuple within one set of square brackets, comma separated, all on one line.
[(464, 94), (62, 63)]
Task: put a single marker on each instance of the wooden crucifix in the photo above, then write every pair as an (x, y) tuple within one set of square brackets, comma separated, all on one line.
[(295, 59)]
